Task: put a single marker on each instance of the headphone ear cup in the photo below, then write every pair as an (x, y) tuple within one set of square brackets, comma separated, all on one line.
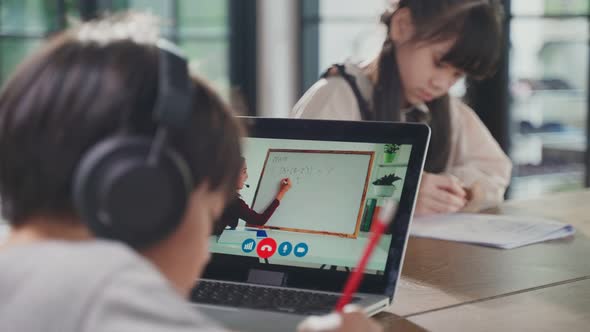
[(121, 196)]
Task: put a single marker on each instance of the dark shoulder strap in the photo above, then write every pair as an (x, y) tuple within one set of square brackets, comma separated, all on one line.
[(338, 69)]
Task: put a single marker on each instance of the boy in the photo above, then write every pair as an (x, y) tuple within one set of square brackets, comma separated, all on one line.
[(114, 165)]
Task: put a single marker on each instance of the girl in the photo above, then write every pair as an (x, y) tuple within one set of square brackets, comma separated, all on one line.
[(96, 82), (238, 209), (429, 46)]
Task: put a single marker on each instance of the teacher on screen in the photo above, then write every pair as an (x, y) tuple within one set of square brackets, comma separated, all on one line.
[(238, 209)]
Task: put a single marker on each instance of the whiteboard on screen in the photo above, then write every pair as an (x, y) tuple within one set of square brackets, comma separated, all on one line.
[(328, 191)]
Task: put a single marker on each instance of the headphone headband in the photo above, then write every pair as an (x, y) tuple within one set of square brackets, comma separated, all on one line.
[(135, 188), (175, 94)]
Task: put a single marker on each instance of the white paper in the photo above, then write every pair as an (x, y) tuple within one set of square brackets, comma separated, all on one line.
[(500, 231)]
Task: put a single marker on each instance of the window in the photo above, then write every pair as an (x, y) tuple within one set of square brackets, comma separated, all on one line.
[(24, 24), (549, 93), (200, 27), (338, 30)]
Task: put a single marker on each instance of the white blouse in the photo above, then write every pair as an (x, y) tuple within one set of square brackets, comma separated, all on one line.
[(475, 156)]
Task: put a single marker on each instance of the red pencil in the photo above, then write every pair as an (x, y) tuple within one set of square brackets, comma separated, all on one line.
[(383, 220)]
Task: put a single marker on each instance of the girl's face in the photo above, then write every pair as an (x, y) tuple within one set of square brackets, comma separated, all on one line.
[(243, 177), (423, 76)]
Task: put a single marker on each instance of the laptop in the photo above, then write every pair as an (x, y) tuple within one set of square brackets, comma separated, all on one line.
[(270, 277)]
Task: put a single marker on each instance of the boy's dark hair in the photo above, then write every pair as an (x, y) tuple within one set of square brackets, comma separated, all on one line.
[(88, 83), (476, 25)]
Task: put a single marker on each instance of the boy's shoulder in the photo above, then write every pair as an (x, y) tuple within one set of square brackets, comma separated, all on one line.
[(55, 280), (68, 260), (79, 286)]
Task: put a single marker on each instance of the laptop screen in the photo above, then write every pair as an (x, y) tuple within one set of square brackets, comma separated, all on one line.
[(324, 219), (311, 190)]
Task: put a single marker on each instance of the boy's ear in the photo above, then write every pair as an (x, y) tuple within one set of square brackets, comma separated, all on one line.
[(402, 26)]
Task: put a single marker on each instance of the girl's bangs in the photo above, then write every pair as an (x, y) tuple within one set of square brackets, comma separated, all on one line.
[(478, 45)]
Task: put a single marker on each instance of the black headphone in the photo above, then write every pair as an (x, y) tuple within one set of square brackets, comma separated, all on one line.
[(135, 188)]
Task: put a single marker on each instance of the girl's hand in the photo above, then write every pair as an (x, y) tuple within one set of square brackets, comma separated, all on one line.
[(475, 198), (351, 320), (440, 193)]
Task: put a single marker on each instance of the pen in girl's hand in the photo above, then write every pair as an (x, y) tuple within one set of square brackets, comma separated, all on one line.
[(383, 220)]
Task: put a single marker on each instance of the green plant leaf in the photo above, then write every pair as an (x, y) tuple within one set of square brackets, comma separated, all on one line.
[(387, 180), (391, 148)]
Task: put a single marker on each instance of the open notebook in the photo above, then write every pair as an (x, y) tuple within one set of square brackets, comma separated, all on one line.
[(498, 231)]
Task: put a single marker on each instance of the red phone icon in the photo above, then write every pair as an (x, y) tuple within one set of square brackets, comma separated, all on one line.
[(266, 248)]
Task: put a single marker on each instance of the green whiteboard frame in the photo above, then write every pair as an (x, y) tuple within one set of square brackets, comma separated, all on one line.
[(357, 227)]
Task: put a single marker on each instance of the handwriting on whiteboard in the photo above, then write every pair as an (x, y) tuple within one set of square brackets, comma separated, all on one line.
[(300, 173)]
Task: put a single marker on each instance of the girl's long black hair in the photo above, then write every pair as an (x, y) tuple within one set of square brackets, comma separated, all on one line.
[(476, 25)]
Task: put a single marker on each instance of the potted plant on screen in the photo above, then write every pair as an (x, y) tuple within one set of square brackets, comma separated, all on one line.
[(390, 152), (384, 186)]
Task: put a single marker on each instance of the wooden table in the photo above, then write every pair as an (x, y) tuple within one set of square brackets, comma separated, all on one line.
[(448, 285)]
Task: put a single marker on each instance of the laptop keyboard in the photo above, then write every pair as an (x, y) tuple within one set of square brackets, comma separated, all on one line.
[(264, 298)]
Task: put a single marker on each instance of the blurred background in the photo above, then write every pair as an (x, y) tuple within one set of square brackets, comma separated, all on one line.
[(263, 54)]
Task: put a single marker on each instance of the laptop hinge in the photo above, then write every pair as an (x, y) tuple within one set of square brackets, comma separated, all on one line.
[(269, 278)]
